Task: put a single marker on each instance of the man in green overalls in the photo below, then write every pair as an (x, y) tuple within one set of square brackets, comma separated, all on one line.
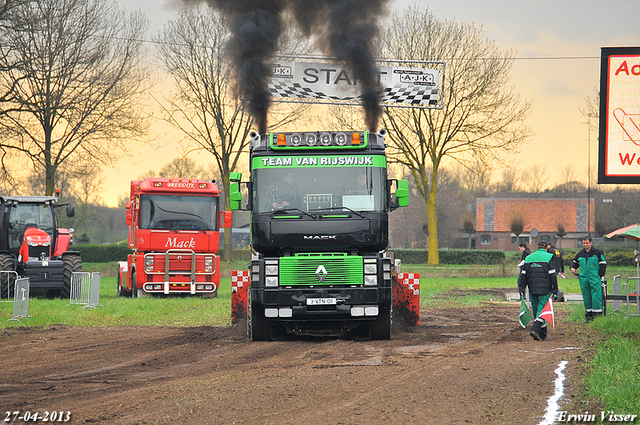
[(592, 267), (539, 274)]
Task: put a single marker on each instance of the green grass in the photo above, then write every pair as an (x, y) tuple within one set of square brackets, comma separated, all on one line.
[(614, 371), (121, 311)]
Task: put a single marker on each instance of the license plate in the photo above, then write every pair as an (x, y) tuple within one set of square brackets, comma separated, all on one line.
[(321, 301)]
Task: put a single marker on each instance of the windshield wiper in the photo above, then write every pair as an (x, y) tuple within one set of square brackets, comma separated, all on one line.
[(313, 216), (344, 208)]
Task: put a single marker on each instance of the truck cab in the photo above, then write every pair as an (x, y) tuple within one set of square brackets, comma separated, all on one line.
[(174, 235)]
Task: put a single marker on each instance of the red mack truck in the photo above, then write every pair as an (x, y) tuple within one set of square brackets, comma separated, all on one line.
[(174, 235)]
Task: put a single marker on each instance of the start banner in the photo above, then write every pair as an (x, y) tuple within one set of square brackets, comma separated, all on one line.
[(330, 82)]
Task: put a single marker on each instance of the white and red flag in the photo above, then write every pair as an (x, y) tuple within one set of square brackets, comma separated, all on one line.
[(548, 313)]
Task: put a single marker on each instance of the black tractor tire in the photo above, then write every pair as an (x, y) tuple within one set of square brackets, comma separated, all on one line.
[(7, 280), (381, 327), (72, 264)]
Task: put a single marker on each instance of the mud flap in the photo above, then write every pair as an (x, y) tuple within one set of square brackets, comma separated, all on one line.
[(239, 295), (406, 298)]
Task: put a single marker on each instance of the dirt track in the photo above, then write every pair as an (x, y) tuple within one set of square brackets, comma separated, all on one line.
[(473, 365)]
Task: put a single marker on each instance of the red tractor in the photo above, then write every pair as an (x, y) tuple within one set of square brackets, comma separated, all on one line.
[(31, 245)]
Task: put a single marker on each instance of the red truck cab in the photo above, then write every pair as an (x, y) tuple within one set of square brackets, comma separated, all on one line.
[(174, 234)]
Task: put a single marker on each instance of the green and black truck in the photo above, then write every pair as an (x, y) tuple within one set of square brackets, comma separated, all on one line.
[(320, 204)]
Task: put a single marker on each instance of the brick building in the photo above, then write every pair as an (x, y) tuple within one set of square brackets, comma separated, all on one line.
[(541, 217)]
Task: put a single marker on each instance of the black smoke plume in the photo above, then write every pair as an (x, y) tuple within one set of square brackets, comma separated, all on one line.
[(346, 29)]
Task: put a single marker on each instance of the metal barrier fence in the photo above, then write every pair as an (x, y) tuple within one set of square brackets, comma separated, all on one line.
[(80, 287), (11, 281), (94, 295), (85, 289), (21, 301), (630, 296)]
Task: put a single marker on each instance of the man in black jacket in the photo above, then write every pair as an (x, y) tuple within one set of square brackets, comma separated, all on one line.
[(539, 274), (525, 252)]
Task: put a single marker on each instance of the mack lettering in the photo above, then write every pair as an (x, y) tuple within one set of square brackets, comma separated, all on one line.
[(174, 243)]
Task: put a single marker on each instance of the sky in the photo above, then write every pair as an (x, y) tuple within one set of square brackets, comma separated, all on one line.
[(557, 67)]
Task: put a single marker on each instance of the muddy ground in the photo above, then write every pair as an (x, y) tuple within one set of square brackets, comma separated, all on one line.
[(472, 365)]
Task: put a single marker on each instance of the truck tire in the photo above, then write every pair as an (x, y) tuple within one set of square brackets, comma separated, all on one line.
[(258, 328), (134, 284), (7, 286), (122, 292), (381, 327), (72, 264)]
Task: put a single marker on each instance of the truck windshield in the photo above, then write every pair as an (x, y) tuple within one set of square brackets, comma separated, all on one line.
[(178, 212), (25, 215), (320, 188)]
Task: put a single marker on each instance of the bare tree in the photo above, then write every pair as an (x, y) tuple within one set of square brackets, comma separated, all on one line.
[(76, 87), (536, 178), (205, 108), (469, 225), (184, 167), (517, 221), (481, 117), (509, 181)]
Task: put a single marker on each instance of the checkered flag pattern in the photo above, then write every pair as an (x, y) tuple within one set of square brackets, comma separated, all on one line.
[(414, 95), (238, 279), (400, 93), (295, 90), (412, 280)]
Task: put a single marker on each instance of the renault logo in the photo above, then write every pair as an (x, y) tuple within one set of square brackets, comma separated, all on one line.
[(321, 273)]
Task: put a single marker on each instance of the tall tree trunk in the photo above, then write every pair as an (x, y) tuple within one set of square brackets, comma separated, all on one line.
[(227, 254), (432, 219)]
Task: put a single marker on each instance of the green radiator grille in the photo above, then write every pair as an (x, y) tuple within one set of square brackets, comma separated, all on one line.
[(303, 269)]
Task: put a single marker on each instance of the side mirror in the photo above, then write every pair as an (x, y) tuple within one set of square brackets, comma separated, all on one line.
[(235, 196), (129, 217), (402, 193), (225, 219), (70, 211), (401, 197)]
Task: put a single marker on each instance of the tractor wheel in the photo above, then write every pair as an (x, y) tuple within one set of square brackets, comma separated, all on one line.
[(7, 280), (72, 264)]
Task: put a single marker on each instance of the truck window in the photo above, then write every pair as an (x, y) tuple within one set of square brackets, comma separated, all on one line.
[(317, 188), (178, 212)]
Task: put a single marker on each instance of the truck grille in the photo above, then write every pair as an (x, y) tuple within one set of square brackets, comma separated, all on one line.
[(302, 269)]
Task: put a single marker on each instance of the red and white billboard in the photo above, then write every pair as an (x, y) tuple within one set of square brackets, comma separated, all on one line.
[(619, 147)]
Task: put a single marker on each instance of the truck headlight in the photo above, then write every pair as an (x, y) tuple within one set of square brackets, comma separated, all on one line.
[(148, 264), (370, 269), (271, 270), (271, 281), (371, 280), (208, 264)]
